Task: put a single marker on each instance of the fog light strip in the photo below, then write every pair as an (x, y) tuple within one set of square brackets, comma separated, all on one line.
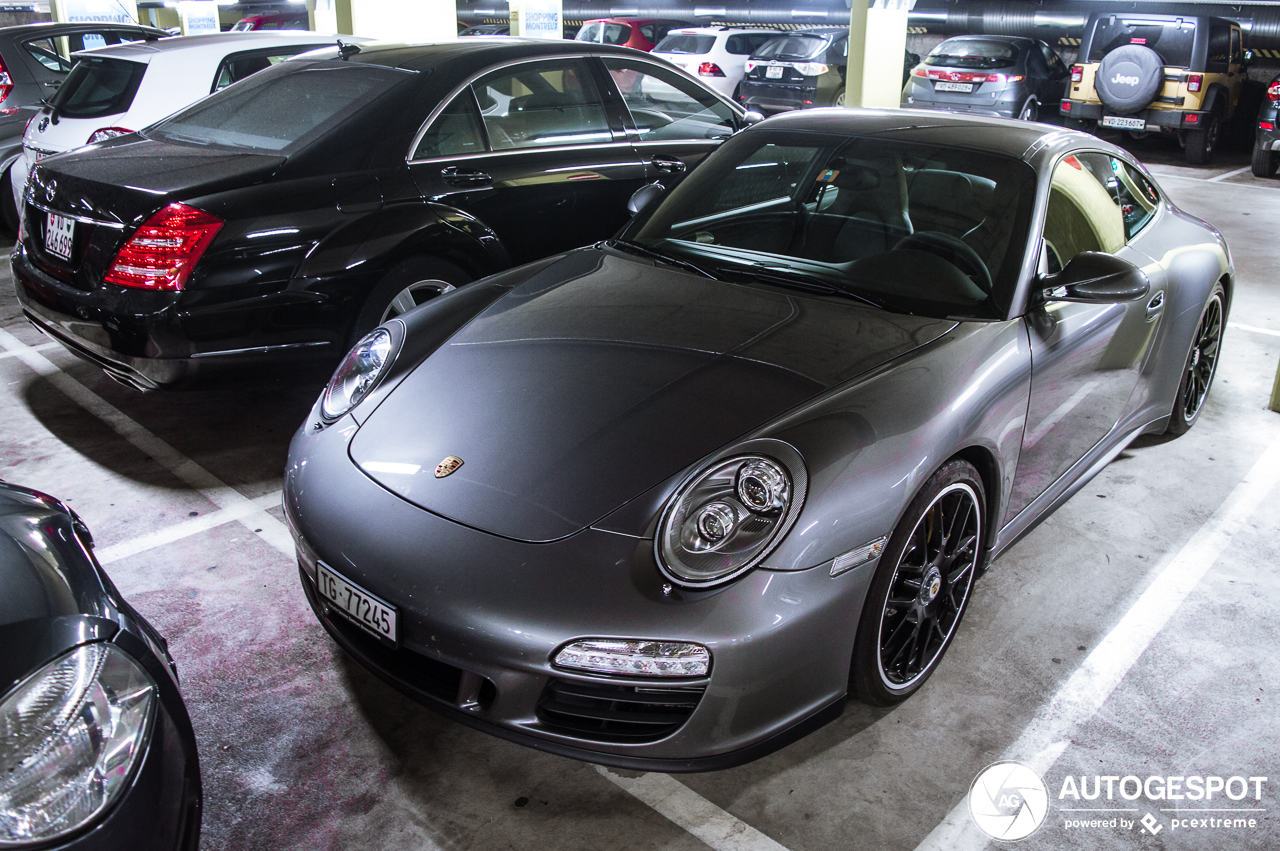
[(689, 810), (1084, 693)]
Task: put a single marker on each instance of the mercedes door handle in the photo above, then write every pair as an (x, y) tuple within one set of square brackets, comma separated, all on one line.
[(455, 176), (1156, 306), (668, 165)]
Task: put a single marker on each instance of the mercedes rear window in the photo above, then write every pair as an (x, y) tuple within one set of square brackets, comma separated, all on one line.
[(281, 108), (792, 47), (686, 44), (98, 87), (1172, 40), (968, 53)]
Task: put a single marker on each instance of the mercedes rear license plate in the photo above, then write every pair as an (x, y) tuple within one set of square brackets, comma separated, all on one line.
[(773, 72), (59, 231), (1124, 123), (356, 603), (953, 87)]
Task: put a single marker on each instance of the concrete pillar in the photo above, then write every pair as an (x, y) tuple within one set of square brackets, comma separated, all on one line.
[(537, 18), (390, 20), (877, 42), (1275, 392)]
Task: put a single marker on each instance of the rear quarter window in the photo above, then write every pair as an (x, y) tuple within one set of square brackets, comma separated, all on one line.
[(97, 87)]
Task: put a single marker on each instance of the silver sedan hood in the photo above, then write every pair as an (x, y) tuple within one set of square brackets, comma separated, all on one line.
[(601, 377)]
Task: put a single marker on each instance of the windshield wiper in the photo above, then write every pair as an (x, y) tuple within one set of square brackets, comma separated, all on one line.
[(658, 255), (787, 277)]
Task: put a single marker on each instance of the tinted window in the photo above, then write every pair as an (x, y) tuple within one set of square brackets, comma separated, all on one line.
[(665, 105), (1173, 41), (684, 43), (240, 65), (591, 32), (1219, 49), (745, 45), (44, 51), (605, 32), (456, 130), (921, 228), (792, 47), (1083, 212), (1052, 59), (1237, 53), (972, 53), (98, 87), (276, 110), (1136, 196), (542, 103)]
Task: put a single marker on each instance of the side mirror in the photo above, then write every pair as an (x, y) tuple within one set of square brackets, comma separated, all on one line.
[(1092, 276), (1247, 60), (644, 196), (752, 117)]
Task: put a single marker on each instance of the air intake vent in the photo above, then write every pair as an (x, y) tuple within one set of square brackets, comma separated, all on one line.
[(609, 713)]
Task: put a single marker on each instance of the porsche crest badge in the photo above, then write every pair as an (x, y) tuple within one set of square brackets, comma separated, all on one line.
[(448, 466)]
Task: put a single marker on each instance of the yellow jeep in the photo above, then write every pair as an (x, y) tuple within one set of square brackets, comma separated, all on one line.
[(1145, 73)]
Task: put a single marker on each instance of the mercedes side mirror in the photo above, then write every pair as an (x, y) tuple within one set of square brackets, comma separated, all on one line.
[(1092, 276), (644, 196)]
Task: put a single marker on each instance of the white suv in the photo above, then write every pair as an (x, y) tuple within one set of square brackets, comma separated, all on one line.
[(118, 89), (715, 55)]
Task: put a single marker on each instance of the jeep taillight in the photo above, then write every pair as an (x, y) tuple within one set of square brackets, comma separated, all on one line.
[(1273, 90), (1077, 73), (1194, 82), (164, 251)]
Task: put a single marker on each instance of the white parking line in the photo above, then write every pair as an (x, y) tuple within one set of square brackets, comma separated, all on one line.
[(39, 348), (1255, 329), (694, 813), (1084, 693), (210, 486), (1168, 176), (1225, 175), (185, 529)]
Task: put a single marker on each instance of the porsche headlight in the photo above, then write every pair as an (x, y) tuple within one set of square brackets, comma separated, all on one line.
[(358, 374), (725, 520), (69, 739)]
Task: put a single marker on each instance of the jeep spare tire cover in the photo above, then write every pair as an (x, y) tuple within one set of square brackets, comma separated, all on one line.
[(1129, 78)]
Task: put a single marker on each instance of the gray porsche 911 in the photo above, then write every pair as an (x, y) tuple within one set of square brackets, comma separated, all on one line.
[(666, 501)]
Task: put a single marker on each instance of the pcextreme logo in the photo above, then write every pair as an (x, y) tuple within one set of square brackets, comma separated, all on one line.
[(1009, 801)]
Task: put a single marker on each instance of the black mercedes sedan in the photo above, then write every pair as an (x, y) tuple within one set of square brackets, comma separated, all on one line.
[(96, 748), (288, 215)]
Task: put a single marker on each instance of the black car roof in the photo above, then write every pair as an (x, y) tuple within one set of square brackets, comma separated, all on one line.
[(419, 57)]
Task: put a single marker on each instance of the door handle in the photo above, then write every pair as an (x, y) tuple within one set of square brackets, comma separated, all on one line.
[(1156, 306), (668, 165), (455, 176)]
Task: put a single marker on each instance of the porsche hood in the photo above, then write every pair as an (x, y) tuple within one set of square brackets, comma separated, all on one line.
[(599, 378)]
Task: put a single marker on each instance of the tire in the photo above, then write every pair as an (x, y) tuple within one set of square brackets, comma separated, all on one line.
[(1264, 161), (8, 208), (913, 591), (1129, 78), (838, 98), (1200, 143), (1030, 110), (410, 283), (1201, 365)]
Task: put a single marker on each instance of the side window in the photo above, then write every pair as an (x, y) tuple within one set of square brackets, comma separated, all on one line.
[(240, 65), (1056, 66), (1138, 199), (1084, 212), (540, 104), (455, 131), (840, 50), (1237, 54), (45, 51), (1219, 49), (591, 32), (664, 105)]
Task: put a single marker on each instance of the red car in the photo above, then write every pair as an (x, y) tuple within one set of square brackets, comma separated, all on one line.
[(253, 23), (640, 33)]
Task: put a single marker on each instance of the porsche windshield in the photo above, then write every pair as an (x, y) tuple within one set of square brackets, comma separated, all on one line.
[(921, 228)]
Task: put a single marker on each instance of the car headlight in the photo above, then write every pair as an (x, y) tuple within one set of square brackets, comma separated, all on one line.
[(358, 374), (69, 739), (725, 520)]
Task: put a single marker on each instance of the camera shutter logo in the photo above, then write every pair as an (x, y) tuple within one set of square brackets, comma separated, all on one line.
[(1008, 801)]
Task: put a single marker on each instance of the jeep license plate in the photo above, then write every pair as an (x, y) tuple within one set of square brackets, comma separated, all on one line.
[(1124, 123)]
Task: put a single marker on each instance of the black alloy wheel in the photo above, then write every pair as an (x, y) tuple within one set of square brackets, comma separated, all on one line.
[(1201, 143), (921, 587), (1202, 364), (1030, 110)]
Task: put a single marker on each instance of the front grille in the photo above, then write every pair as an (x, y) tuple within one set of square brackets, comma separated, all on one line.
[(616, 713)]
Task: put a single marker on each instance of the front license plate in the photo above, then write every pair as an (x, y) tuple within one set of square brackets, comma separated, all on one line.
[(773, 72), (359, 605), (59, 232), (1124, 123), (953, 87)]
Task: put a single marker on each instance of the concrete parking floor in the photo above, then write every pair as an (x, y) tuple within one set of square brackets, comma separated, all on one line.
[(1135, 633)]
